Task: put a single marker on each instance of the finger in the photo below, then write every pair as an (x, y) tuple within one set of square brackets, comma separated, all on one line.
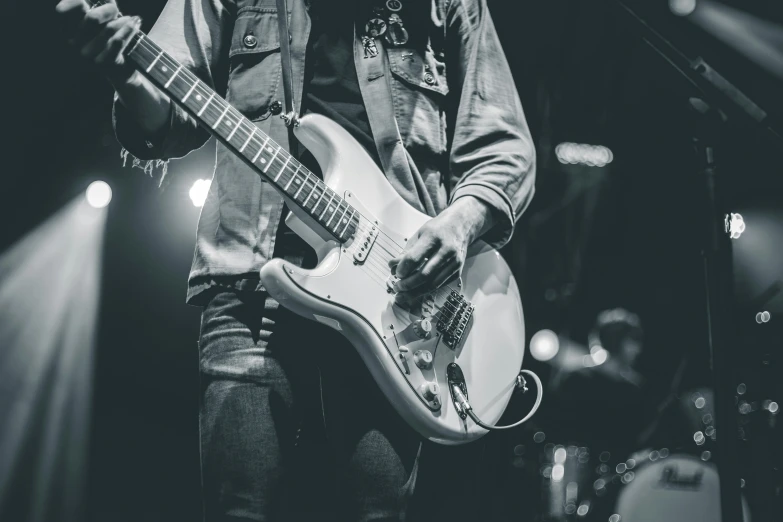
[(72, 13), (422, 276), (94, 21), (444, 273), (451, 270), (114, 38), (413, 257)]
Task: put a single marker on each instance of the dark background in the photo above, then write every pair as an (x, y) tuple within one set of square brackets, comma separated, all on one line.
[(625, 235)]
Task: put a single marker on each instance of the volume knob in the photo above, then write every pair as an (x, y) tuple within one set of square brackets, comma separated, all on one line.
[(422, 328), (429, 390), (423, 359)]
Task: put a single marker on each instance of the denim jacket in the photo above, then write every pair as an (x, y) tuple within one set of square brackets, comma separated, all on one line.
[(443, 110)]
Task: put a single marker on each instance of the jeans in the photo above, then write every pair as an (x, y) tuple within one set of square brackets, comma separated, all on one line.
[(293, 428)]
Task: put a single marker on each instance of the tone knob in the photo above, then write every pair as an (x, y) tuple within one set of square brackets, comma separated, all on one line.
[(423, 359), (422, 328), (429, 390)]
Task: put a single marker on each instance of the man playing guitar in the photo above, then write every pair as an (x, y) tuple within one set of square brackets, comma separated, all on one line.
[(446, 127)]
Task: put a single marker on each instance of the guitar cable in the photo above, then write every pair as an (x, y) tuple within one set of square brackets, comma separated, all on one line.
[(463, 402)]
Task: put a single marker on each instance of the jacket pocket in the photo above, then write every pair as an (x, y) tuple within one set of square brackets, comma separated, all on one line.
[(254, 57), (419, 89)]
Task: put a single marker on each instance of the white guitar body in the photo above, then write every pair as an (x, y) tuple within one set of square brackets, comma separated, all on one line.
[(353, 298)]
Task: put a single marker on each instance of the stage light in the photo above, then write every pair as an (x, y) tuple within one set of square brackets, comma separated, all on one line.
[(682, 7), (598, 354), (49, 302), (199, 191), (583, 154), (757, 38), (98, 194), (734, 225), (544, 345), (557, 472)]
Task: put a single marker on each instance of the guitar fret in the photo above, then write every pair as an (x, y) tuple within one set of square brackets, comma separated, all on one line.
[(252, 133), (182, 85), (190, 91), (204, 107), (271, 160), (154, 61), (315, 186), (136, 43), (303, 185), (166, 85), (221, 117), (292, 178), (327, 206), (260, 149), (281, 168), (348, 222), (341, 215), (315, 206), (236, 127)]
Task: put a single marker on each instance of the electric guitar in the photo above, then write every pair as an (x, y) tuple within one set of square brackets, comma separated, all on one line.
[(468, 333)]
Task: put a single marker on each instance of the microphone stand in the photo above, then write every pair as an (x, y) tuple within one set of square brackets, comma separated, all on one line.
[(718, 101)]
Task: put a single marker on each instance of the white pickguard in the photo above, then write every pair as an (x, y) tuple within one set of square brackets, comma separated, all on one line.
[(353, 299)]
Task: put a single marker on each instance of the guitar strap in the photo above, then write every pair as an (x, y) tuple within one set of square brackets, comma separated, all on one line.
[(291, 118), (373, 76)]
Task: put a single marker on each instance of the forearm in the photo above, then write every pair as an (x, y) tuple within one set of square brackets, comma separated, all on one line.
[(492, 157)]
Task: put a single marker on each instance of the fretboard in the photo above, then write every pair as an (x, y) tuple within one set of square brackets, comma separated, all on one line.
[(239, 134)]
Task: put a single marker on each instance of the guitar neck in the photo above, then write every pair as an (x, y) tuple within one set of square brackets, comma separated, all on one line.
[(239, 134)]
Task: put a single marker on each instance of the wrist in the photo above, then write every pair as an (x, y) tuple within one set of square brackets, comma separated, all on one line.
[(474, 214)]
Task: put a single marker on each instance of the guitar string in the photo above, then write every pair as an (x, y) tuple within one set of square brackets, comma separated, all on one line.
[(393, 248), (144, 40), (241, 121)]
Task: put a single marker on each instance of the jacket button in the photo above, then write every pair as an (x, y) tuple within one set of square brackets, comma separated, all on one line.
[(429, 79), (250, 41), (276, 107)]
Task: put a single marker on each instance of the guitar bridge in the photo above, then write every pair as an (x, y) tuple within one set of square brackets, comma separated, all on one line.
[(455, 315), (364, 244)]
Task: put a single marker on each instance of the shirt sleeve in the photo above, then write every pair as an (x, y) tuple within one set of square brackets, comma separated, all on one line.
[(196, 33), (492, 156)]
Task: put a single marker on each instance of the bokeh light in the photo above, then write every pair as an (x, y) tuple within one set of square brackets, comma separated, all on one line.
[(544, 345), (557, 472), (98, 194), (198, 192), (735, 225), (682, 7), (583, 154)]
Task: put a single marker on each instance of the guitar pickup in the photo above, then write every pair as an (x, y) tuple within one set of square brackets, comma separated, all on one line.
[(364, 242)]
